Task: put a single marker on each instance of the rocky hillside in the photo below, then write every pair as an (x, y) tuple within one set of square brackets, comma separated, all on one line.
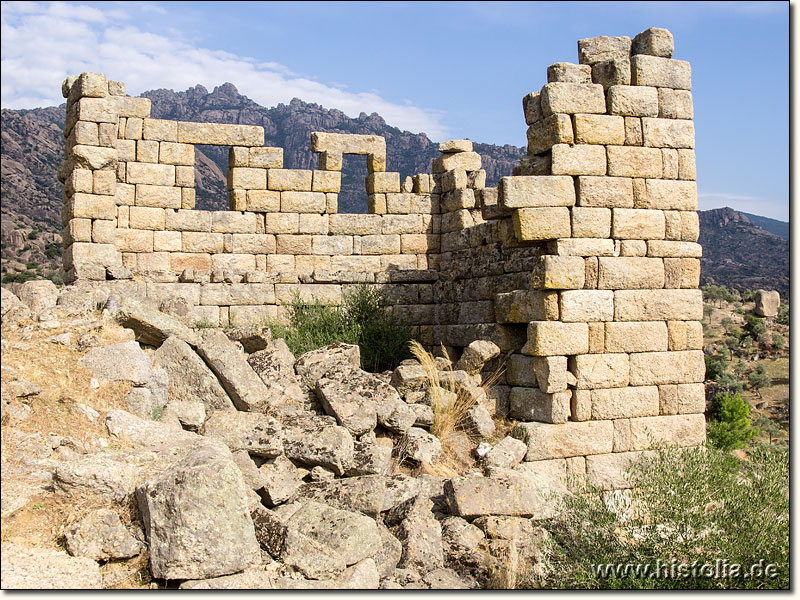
[(741, 255)]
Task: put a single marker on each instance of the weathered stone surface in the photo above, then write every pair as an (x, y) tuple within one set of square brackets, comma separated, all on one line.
[(569, 73), (97, 474), (572, 98), (523, 192), (668, 133), (421, 536), (191, 414), (558, 272), (409, 378), (151, 326), (675, 104), (648, 336), (315, 440), (624, 402), (633, 101), (189, 378), (543, 134), (387, 557), (606, 192), (658, 368), (612, 72), (237, 377), (581, 159), (476, 355), (546, 441), (531, 224), (120, 362), (196, 518), (654, 41), (601, 48), (531, 404), (658, 305), (524, 306), (256, 433), (599, 129), (12, 309), (600, 370), (422, 446), (629, 273), (38, 295), (680, 430), (506, 454), (311, 366), (101, 536), (358, 494), (34, 568), (374, 459), (277, 373), (479, 420), (634, 161), (154, 435), (661, 72), (767, 303), (353, 397), (281, 479), (220, 135), (587, 305), (611, 471), (251, 579), (552, 338)]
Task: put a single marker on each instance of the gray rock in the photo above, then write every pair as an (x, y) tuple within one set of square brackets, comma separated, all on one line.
[(147, 434), (423, 414), (140, 402), (119, 362), (159, 387), (361, 576), (462, 542), (196, 518), (24, 389), (312, 366), (86, 341), (281, 479), (278, 376), (476, 355), (252, 432), (279, 345), (400, 488), (370, 459), (101, 536), (63, 339), (422, 446), (505, 493), (151, 326), (358, 494), (321, 474), (191, 414), (352, 396), (518, 536), (767, 303), (465, 385), (251, 579), (12, 309), (351, 536), (421, 537), (189, 377), (34, 568), (480, 421), (39, 295), (253, 477), (252, 338), (445, 579), (97, 474), (409, 378), (243, 386), (395, 415), (506, 454), (387, 557), (318, 440)]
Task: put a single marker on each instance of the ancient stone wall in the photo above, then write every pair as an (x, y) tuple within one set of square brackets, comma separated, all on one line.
[(583, 266)]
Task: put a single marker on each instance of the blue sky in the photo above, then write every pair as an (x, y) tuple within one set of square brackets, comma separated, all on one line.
[(452, 70)]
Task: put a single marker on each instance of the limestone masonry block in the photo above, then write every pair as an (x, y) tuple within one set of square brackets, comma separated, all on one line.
[(333, 244), (524, 306), (649, 336), (184, 176), (591, 222), (104, 183), (532, 107), (519, 370), (543, 134), (531, 404), (453, 179), (583, 306), (253, 243), (293, 180), (633, 131), (638, 224), (81, 181), (668, 133), (159, 196), (599, 129), (553, 338), (670, 162), (600, 48), (655, 42), (141, 217), (658, 305), (103, 232), (658, 368), (541, 223), (93, 157), (147, 151), (176, 154), (238, 157), (150, 174), (99, 110), (572, 98), (89, 206), (133, 128), (266, 158), (686, 398), (686, 165), (469, 161), (326, 181), (216, 134), (376, 204), (86, 133), (680, 430), (631, 161), (188, 220), (137, 108), (330, 161), (160, 130), (167, 241), (551, 373), (675, 104), (354, 224), (661, 72), (578, 160), (246, 178), (135, 240), (347, 143), (663, 248), (625, 402), (546, 441), (584, 247), (403, 224), (455, 200), (663, 194), (682, 272), (263, 201), (534, 192), (225, 221), (569, 73), (612, 72), (608, 192), (633, 101), (594, 371), (382, 183), (455, 146), (90, 85), (79, 230)]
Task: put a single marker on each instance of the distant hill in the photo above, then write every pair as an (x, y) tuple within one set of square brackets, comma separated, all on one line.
[(780, 228)]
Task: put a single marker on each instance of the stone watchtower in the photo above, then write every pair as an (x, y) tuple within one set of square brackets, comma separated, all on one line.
[(583, 266)]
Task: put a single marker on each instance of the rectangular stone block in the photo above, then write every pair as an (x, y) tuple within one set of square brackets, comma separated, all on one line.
[(334, 244), (98, 110), (616, 71), (138, 108), (541, 223), (600, 370), (178, 261), (687, 168), (599, 129), (267, 201), (622, 435), (246, 178), (227, 221), (303, 202), (669, 157), (313, 223), (253, 315), (345, 224), (524, 306), (591, 222), (188, 220), (658, 305), (281, 223), (611, 471), (687, 398), (638, 224), (160, 130), (601, 48), (668, 133), (453, 179), (531, 404), (380, 244), (451, 201), (134, 240), (545, 133), (266, 158), (680, 430), (551, 374), (569, 73), (293, 244), (536, 191), (292, 180), (326, 181), (625, 402), (167, 241), (184, 177), (633, 101), (586, 305), (217, 134), (469, 161), (633, 161), (547, 441), (158, 196), (578, 160), (648, 336), (558, 273), (675, 104), (519, 371), (659, 368), (607, 192), (383, 183), (633, 131), (141, 217), (253, 243), (630, 273), (669, 195), (86, 133), (194, 241), (553, 338), (572, 98), (674, 249), (581, 405), (150, 174), (231, 294), (147, 151), (661, 72), (532, 107), (239, 263), (238, 157), (402, 224)]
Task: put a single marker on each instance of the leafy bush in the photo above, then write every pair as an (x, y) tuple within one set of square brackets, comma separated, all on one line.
[(730, 426), (783, 314), (754, 326), (364, 319), (692, 506)]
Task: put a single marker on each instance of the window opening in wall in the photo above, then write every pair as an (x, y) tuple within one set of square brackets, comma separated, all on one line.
[(210, 177), (353, 194)]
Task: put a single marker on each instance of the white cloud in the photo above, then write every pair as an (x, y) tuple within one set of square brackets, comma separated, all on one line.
[(42, 43)]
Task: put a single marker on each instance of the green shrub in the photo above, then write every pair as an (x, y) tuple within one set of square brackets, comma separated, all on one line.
[(692, 506), (730, 426), (783, 314)]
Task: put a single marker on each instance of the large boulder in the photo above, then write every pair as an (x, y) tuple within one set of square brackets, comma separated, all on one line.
[(96, 474), (767, 303), (189, 377), (196, 518), (151, 326), (119, 362), (476, 355), (281, 479), (315, 440), (252, 337), (277, 373), (39, 295), (101, 536), (12, 309), (358, 494), (311, 366), (256, 433), (34, 568)]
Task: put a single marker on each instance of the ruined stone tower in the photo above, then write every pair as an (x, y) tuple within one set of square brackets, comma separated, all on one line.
[(582, 266)]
